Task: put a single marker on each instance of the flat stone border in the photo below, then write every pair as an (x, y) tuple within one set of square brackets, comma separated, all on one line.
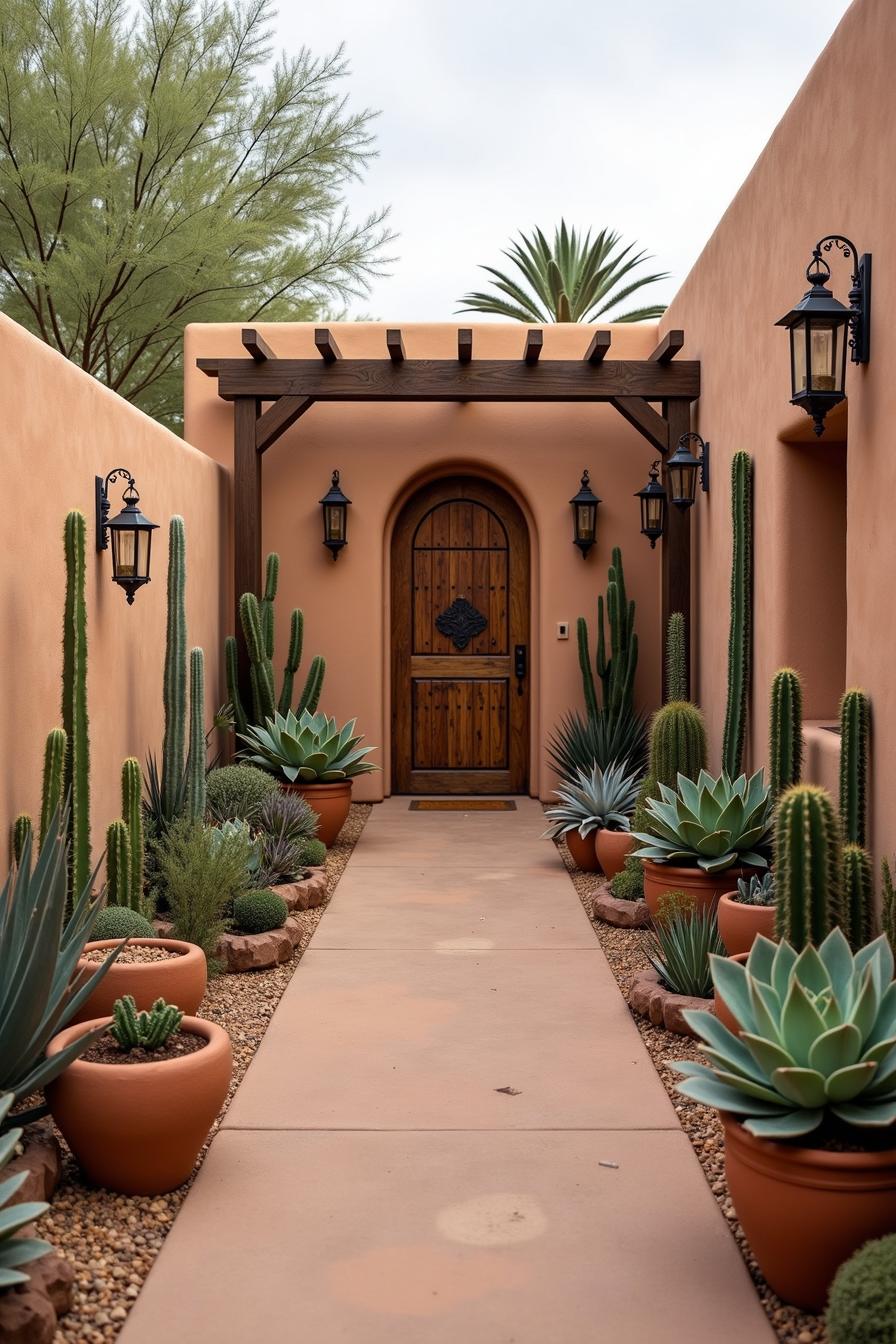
[(29, 1314), (621, 914), (306, 894), (649, 997), (259, 951)]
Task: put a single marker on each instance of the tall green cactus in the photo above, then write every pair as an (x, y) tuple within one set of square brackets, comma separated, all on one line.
[(740, 634), (677, 743), (855, 729), (175, 680), (119, 890), (53, 786), (132, 812), (857, 896), (616, 672), (676, 658), (807, 865), (21, 830), (196, 758), (785, 753), (888, 902), (74, 700)]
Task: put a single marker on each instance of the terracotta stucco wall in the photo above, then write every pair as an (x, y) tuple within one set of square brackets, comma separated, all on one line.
[(537, 451), (61, 429), (826, 169)]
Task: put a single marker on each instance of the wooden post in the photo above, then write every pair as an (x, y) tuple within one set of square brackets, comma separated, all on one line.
[(677, 544), (246, 518)]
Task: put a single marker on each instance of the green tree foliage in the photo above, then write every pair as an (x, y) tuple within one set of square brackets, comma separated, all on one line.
[(162, 169)]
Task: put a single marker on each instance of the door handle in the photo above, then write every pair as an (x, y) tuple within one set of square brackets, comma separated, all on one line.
[(519, 666)]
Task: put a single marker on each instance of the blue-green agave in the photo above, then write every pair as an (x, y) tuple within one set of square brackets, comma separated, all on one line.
[(713, 823), (818, 1038), (236, 829), (595, 799), (311, 748), (16, 1251)]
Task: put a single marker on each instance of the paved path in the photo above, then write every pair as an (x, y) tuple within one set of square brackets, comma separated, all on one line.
[(371, 1184)]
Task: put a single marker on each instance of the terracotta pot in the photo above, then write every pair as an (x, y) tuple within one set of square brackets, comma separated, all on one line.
[(138, 1128), (720, 1007), (613, 848), (705, 888), (805, 1211), (739, 924), (331, 802), (180, 980), (583, 852)]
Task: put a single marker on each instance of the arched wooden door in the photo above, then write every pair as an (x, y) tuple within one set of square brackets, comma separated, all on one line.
[(460, 641)]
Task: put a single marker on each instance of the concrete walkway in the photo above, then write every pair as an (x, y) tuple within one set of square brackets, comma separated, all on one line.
[(371, 1184)]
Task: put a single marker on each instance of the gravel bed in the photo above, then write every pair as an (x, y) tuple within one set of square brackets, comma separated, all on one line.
[(623, 949), (132, 956), (112, 1240)]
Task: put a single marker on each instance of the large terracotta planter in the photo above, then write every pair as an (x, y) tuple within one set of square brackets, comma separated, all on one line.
[(138, 1128), (739, 924), (705, 888), (180, 980), (331, 802), (613, 848), (805, 1211), (583, 852), (720, 1007)]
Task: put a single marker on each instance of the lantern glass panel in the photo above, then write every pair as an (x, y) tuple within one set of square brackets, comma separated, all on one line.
[(130, 552), (653, 512), (798, 343), (683, 480), (585, 520), (334, 519)]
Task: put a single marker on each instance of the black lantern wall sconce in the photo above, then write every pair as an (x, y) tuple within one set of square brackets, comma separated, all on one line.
[(683, 469), (822, 328), (130, 533), (584, 515), (335, 510), (653, 506)]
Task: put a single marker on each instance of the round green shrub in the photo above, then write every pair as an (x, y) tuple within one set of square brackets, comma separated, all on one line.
[(259, 912), (862, 1302), (237, 792), (628, 884), (119, 921), (314, 853)]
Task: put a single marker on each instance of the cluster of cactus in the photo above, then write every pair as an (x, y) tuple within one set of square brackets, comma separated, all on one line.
[(257, 621), (676, 658), (616, 672), (181, 786), (786, 731), (51, 800), (740, 634), (143, 1031), (76, 778), (125, 844)]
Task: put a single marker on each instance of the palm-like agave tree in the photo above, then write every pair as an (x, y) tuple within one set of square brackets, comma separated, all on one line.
[(573, 280)]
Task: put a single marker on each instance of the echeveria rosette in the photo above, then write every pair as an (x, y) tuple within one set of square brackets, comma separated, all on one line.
[(310, 748), (601, 798), (713, 823), (818, 1039)]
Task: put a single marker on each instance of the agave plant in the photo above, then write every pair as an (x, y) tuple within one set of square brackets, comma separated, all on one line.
[(818, 1038), (580, 742), (601, 798), (758, 890), (231, 830), (16, 1251), (712, 823), (679, 946), (311, 748)]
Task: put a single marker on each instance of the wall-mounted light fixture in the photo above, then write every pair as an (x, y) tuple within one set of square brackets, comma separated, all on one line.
[(683, 469), (335, 509), (653, 505), (584, 515), (822, 328), (130, 533)]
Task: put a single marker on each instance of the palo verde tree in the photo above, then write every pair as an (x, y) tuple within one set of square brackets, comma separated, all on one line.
[(160, 169)]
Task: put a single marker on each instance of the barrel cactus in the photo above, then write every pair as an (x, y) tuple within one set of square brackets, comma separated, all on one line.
[(807, 865)]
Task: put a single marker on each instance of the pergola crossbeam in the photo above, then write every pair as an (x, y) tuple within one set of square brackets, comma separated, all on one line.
[(326, 346), (534, 344), (599, 347), (256, 345), (668, 347), (464, 345), (395, 345)]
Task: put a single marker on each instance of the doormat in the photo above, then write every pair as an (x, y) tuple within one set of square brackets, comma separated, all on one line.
[(462, 805)]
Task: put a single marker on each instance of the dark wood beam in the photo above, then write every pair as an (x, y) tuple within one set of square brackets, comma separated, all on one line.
[(326, 346), (676, 587), (246, 518), (668, 347), (256, 345), (645, 419), (277, 420), (599, 347), (464, 344), (448, 380), (395, 345), (209, 366), (534, 342)]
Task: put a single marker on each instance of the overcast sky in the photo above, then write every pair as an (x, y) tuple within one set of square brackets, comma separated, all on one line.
[(497, 115)]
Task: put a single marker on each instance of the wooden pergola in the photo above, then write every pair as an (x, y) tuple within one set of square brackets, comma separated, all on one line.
[(290, 387)]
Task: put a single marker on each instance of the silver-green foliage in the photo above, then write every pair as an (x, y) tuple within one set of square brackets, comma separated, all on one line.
[(818, 1038), (591, 801), (311, 748), (758, 889), (143, 1031), (713, 823), (16, 1251), (679, 946)]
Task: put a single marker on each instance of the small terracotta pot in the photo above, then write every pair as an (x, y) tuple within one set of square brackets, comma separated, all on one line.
[(180, 980), (331, 802), (805, 1211), (583, 852), (720, 1007), (739, 924), (613, 848), (705, 888), (138, 1128)]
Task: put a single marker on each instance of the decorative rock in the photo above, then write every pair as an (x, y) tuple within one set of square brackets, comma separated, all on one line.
[(259, 951), (649, 997), (26, 1316), (621, 914), (53, 1275), (306, 894), (42, 1159)]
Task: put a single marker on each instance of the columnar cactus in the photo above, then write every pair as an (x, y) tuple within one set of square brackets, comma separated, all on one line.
[(74, 700), (807, 866), (676, 658), (175, 680), (857, 896), (21, 832), (786, 733), (888, 902), (196, 758), (855, 724), (53, 787), (118, 865), (677, 743), (132, 812), (616, 672), (740, 633)]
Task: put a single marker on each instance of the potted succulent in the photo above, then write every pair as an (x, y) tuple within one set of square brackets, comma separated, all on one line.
[(312, 755), (589, 804), (807, 1095), (704, 835), (136, 1107), (747, 911), (679, 945)]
